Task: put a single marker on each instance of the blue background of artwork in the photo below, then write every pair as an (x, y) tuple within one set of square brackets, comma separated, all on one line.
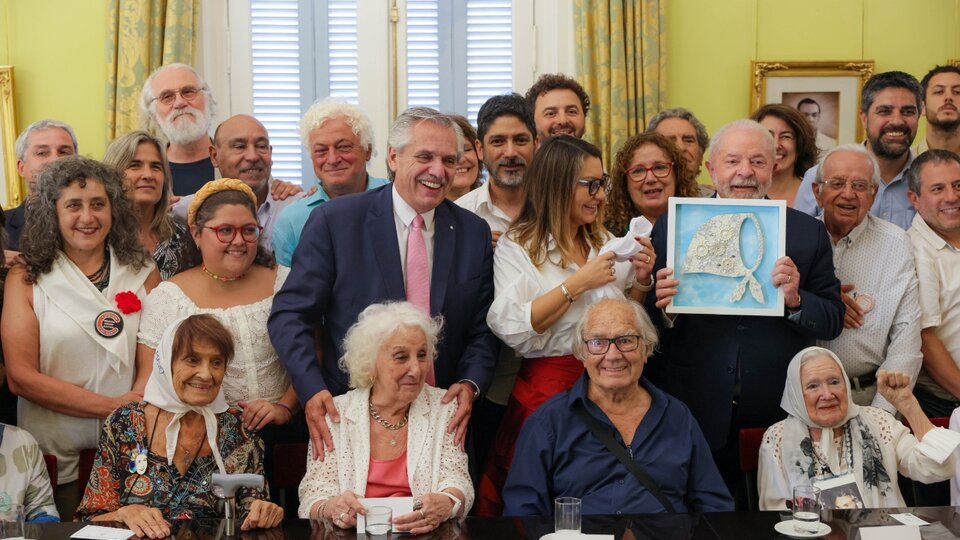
[(702, 290)]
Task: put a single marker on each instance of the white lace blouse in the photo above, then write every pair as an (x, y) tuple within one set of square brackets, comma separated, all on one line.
[(434, 462), (255, 371)]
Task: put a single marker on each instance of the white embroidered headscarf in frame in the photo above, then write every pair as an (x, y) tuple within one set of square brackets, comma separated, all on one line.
[(160, 393), (867, 464)]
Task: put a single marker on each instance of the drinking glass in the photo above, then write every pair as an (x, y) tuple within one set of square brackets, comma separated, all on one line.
[(379, 522), (806, 509), (566, 517), (11, 522)]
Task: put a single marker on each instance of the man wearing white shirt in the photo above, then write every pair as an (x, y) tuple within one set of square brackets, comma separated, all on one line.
[(506, 142), (934, 180), (881, 327)]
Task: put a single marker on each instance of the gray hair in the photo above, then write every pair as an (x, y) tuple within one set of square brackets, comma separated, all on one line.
[(934, 155), (148, 105), (641, 324), (703, 139), (24, 139), (331, 107), (374, 326), (403, 126), (742, 124), (852, 148)]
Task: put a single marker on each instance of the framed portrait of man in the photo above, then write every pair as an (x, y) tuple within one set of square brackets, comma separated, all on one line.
[(826, 93), (723, 252)]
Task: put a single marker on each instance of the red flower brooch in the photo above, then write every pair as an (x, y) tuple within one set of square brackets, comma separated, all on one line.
[(128, 302)]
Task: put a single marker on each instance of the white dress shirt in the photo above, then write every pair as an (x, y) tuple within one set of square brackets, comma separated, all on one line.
[(890, 336), (403, 215), (938, 269)]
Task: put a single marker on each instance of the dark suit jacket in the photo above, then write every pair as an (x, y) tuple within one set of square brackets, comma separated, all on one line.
[(701, 355), (348, 259), (14, 227)]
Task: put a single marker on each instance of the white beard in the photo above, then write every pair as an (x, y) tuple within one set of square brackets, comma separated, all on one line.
[(188, 131)]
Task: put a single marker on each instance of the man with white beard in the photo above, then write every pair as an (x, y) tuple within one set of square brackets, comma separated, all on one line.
[(178, 104)]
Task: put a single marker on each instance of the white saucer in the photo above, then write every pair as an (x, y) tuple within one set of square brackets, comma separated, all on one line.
[(786, 528)]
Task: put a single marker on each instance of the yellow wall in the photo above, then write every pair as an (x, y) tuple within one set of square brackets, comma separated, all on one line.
[(57, 49), (711, 42)]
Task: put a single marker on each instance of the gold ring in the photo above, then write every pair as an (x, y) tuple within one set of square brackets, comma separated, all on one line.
[(422, 515)]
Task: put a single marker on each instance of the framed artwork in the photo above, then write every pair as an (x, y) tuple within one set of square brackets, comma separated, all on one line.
[(9, 178), (723, 251), (826, 93)]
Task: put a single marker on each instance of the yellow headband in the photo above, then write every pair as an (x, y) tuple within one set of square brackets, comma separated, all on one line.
[(216, 186)]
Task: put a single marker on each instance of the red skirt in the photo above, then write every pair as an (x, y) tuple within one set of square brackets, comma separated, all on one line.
[(539, 379)]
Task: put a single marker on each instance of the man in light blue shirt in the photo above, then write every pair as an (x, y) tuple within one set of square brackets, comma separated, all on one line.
[(339, 137), (890, 107)]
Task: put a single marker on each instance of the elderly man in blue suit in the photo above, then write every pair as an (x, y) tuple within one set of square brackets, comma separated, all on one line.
[(403, 241), (730, 370)]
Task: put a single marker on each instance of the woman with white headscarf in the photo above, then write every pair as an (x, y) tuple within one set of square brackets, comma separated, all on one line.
[(156, 457), (828, 440)]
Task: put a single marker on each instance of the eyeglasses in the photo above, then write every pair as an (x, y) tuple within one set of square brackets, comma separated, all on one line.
[(594, 184), (660, 169), (602, 345), (188, 93), (836, 184), (226, 233)]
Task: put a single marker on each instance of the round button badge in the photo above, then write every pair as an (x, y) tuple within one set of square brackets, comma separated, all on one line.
[(109, 324)]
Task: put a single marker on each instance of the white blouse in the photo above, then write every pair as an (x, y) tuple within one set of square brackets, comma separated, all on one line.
[(519, 282), (255, 371)]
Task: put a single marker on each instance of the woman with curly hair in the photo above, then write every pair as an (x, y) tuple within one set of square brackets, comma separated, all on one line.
[(149, 184), (648, 170), (796, 148), (230, 276), (72, 312)]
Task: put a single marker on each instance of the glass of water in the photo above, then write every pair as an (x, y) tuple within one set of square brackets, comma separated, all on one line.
[(806, 509), (379, 521), (11, 522), (566, 517)]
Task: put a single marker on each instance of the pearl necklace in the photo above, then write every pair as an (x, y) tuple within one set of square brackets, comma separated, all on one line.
[(392, 427), (218, 277)]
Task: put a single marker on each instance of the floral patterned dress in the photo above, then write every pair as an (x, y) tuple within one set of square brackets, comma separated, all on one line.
[(115, 482)]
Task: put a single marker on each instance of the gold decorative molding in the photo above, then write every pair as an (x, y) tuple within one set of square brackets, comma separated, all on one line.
[(8, 138)]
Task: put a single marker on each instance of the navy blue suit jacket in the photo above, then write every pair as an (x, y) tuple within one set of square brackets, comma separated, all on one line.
[(348, 259), (15, 222), (701, 354)]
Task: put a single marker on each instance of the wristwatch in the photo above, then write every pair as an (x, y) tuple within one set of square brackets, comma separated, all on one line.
[(456, 504)]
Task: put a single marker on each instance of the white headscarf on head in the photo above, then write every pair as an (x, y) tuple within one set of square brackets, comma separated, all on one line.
[(861, 454), (792, 400), (160, 393)]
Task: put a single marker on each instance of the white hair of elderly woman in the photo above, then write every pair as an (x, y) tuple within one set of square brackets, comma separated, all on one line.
[(375, 325), (641, 323)]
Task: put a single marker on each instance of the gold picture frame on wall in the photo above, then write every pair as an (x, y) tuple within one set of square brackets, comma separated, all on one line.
[(827, 92), (9, 178)]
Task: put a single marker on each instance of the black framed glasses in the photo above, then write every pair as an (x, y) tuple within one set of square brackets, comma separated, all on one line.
[(837, 184), (594, 184), (660, 169), (188, 93), (602, 345), (226, 233)]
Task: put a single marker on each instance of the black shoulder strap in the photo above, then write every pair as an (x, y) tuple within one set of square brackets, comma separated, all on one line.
[(621, 454)]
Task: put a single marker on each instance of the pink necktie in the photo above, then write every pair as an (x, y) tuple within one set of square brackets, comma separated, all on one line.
[(418, 275)]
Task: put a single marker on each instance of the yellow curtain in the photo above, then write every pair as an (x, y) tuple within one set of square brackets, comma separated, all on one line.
[(621, 62), (143, 35)]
